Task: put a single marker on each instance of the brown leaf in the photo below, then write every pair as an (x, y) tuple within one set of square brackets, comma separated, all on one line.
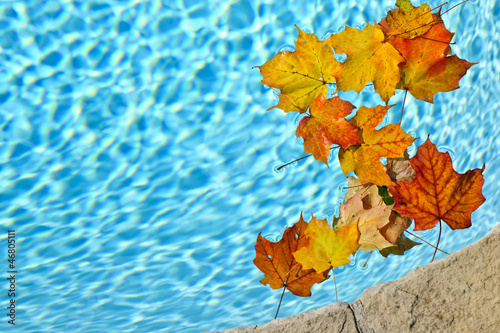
[(403, 244), (400, 170)]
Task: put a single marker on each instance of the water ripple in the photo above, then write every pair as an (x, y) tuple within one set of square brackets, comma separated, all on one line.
[(138, 162)]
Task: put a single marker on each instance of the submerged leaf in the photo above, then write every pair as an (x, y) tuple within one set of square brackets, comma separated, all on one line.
[(400, 170), (403, 244), (383, 191)]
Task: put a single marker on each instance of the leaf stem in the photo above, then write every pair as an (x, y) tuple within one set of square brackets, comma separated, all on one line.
[(438, 41), (284, 165), (335, 282), (403, 108), (455, 6), (279, 305), (364, 265), (439, 238), (426, 242), (354, 186)]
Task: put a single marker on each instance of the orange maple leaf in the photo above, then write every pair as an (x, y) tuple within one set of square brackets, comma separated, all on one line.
[(430, 68), (300, 75), (279, 266), (369, 59), (327, 126), (327, 248), (438, 192), (389, 141)]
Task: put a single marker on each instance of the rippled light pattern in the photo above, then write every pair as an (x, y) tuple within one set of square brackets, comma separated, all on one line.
[(138, 163)]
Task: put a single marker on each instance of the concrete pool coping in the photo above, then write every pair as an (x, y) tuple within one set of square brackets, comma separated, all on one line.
[(459, 293)]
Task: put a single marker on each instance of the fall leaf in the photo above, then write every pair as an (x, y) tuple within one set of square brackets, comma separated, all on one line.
[(369, 221), (301, 75), (369, 59), (400, 170), (389, 141), (368, 118), (327, 126), (383, 191), (396, 226), (327, 248), (409, 21), (430, 68), (279, 266), (438, 191), (368, 193), (403, 244), (379, 226)]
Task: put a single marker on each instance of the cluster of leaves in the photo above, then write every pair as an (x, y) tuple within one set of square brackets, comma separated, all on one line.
[(407, 50)]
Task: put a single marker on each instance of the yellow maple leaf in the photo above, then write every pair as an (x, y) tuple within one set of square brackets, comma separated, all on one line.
[(301, 75), (364, 160), (368, 118), (369, 59), (327, 248)]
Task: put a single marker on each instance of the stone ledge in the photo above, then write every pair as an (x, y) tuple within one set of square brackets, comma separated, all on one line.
[(459, 293)]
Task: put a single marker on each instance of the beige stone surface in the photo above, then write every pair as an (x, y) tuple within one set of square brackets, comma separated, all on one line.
[(336, 317), (459, 293)]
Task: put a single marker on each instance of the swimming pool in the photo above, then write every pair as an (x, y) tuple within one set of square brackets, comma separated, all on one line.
[(138, 162)]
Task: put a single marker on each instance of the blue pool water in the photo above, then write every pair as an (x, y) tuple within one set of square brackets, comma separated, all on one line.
[(138, 162)]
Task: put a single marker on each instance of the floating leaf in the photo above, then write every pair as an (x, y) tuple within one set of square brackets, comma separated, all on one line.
[(409, 21), (438, 191), (389, 141), (369, 59), (327, 248), (369, 222), (301, 75), (367, 192), (403, 244), (327, 126), (429, 67), (396, 226), (279, 266), (379, 226)]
